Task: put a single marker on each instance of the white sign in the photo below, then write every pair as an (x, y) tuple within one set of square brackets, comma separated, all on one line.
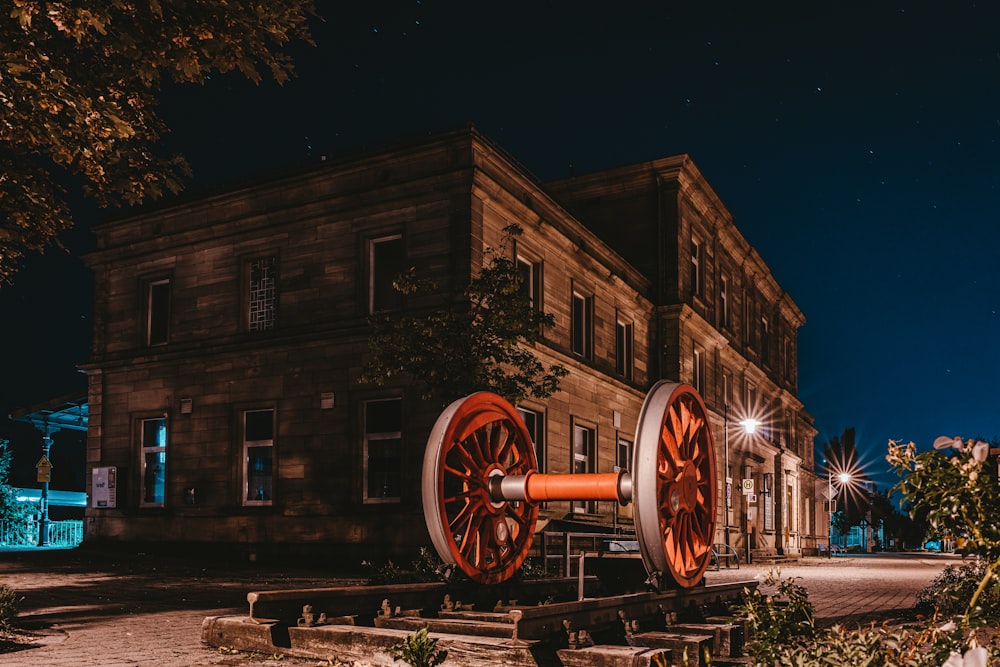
[(104, 487), (748, 486)]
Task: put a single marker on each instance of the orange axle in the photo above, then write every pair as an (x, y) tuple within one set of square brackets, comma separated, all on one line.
[(535, 487)]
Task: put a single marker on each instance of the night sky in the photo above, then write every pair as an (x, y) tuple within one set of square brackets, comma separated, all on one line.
[(855, 143)]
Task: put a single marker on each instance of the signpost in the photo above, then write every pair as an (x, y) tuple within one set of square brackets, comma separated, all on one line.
[(749, 497), (44, 470)]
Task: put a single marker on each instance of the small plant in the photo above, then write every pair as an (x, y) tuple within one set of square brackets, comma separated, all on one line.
[(780, 620), (419, 650), (950, 592), (8, 609), (423, 569)]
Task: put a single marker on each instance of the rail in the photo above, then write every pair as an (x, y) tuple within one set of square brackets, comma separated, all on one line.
[(24, 533), (724, 555), (564, 549)]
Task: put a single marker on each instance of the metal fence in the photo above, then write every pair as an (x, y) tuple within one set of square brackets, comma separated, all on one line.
[(25, 533)]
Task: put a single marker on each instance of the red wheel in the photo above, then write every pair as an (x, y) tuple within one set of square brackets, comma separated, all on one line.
[(674, 484), (475, 439)]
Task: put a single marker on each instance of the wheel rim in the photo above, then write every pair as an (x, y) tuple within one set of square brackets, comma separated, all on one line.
[(475, 439), (674, 479)]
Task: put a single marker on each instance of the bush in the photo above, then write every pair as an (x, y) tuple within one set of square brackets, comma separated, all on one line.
[(778, 621), (425, 568), (8, 609), (950, 593)]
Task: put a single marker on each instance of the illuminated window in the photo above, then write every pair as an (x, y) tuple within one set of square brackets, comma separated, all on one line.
[(258, 457), (158, 312), (263, 293), (153, 443), (386, 261), (383, 450)]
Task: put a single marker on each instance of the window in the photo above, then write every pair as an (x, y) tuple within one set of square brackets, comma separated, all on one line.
[(750, 400), (765, 342), (624, 455), (747, 315), (623, 349), (695, 268), (258, 457), (582, 325), (698, 370), (386, 260), (724, 302), (727, 387), (583, 461), (786, 358), (383, 450), (263, 291), (158, 312), (530, 274), (535, 422), (153, 442)]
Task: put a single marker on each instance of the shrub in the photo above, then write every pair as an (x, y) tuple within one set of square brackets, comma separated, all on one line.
[(950, 593), (8, 609), (779, 621), (419, 650)]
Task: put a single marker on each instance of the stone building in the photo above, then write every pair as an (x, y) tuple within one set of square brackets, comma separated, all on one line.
[(230, 332)]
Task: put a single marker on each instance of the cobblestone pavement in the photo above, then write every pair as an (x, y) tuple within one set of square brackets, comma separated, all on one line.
[(853, 589), (93, 608), (116, 610)]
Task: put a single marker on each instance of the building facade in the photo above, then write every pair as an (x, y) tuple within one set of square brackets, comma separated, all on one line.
[(231, 331)]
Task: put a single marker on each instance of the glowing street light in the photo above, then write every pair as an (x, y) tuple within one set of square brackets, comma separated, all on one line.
[(844, 478)]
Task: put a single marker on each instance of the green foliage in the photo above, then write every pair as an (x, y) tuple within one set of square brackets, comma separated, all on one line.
[(425, 568), (9, 601), (954, 488), (419, 650), (780, 621), (872, 646), (11, 509), (479, 340), (78, 91), (950, 592)]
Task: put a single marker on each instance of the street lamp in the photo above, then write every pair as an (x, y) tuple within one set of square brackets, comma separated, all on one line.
[(843, 478), (749, 427), (726, 475)]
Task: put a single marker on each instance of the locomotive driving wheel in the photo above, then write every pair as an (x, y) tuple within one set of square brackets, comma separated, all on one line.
[(674, 485), (474, 441)]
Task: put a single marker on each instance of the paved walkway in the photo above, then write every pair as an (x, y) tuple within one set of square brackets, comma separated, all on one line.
[(853, 590), (111, 610)]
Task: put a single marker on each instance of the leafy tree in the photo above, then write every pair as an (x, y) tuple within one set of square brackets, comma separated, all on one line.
[(11, 509), (840, 455), (79, 86), (479, 340)]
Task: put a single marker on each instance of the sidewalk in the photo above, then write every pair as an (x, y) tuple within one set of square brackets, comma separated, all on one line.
[(853, 589), (97, 609), (102, 609)]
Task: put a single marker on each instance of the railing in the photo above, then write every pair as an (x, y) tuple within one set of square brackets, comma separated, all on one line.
[(565, 548), (25, 533)]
